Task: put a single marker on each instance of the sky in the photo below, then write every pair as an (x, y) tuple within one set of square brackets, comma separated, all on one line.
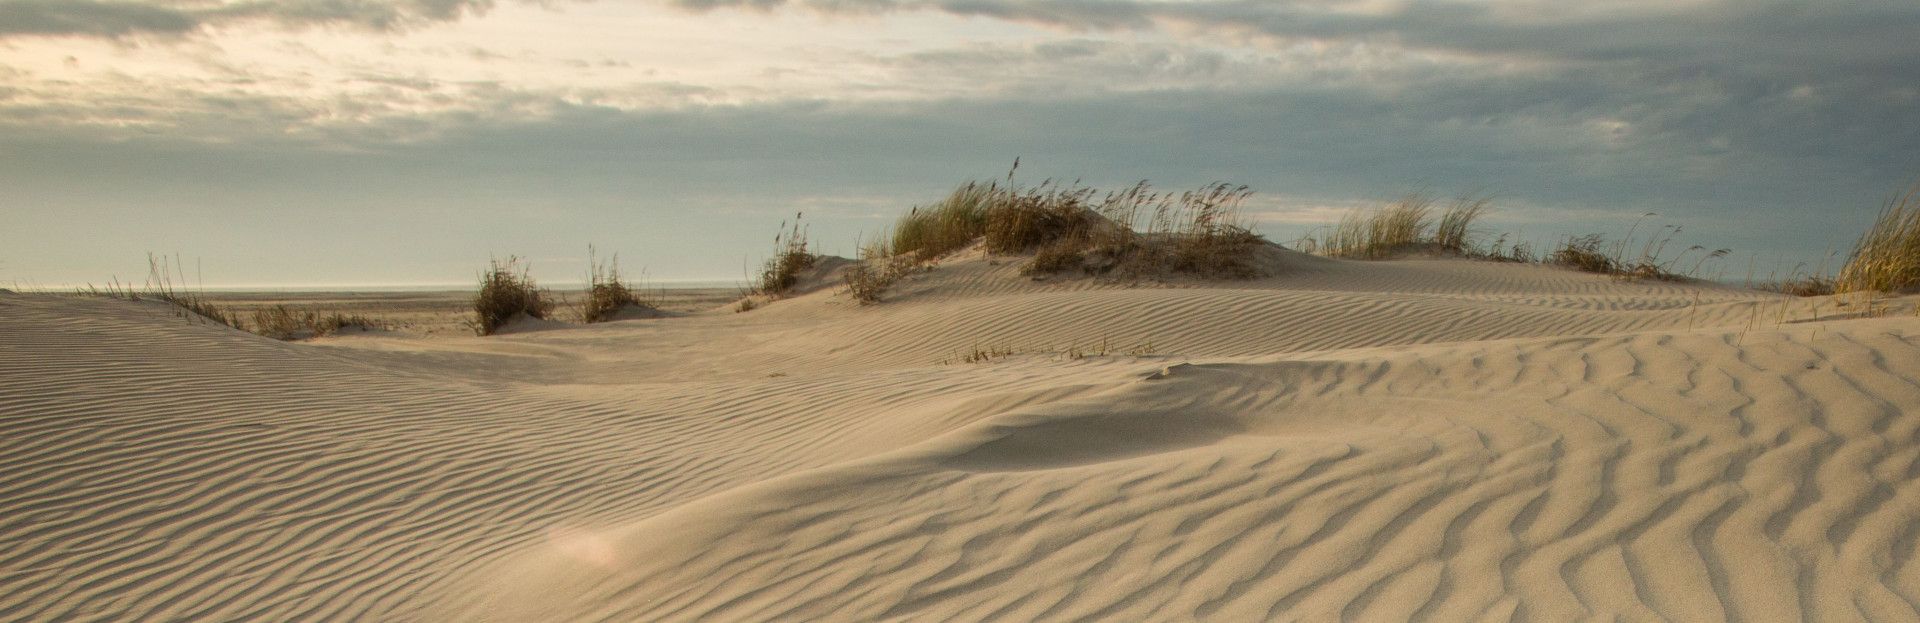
[(377, 142)]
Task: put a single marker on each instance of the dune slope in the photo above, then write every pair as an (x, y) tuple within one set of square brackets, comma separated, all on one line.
[(1419, 439)]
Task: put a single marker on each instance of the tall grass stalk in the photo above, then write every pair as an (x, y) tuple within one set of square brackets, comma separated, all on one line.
[(161, 285)]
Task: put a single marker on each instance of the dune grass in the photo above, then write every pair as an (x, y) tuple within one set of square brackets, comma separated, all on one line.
[(879, 267), (946, 226), (1583, 253), (1139, 232), (1410, 225), (507, 292), (161, 285), (1405, 225), (1886, 258), (607, 293), (1810, 285), (1067, 228), (284, 323), (791, 257), (1021, 220), (1591, 253), (1072, 351)]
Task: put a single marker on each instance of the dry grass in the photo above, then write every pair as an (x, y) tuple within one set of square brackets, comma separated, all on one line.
[(791, 257), (283, 323), (1061, 256), (1212, 241), (1197, 232), (1454, 233), (1405, 225), (1583, 253), (947, 226), (1590, 253), (878, 269), (161, 285), (1887, 256), (507, 292), (1070, 352), (1021, 220), (607, 293), (1811, 285), (1135, 231)]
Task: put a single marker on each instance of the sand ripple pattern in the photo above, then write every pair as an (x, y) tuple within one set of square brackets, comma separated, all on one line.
[(1400, 440), (1708, 476)]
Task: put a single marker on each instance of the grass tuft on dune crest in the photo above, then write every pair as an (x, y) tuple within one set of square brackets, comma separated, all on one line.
[(607, 293), (161, 286), (1406, 225), (790, 258), (284, 323), (1887, 256), (507, 292)]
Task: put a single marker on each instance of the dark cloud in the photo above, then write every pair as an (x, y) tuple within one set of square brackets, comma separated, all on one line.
[(88, 18), (85, 18)]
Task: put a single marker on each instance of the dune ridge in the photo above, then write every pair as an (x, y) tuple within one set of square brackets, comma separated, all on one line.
[(1416, 439)]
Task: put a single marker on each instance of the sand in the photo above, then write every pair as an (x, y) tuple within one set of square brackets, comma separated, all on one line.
[(1412, 439)]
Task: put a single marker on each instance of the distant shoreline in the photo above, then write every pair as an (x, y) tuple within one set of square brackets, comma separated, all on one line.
[(404, 288)]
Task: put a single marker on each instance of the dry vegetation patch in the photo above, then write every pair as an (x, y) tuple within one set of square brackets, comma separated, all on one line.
[(281, 322), (607, 293), (1070, 228), (506, 293), (1887, 256), (161, 285), (1408, 225), (791, 257), (1591, 253)]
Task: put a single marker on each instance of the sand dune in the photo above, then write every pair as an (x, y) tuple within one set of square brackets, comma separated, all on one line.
[(1415, 439)]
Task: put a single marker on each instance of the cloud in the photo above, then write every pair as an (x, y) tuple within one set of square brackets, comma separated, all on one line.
[(90, 18), (86, 18), (1753, 123)]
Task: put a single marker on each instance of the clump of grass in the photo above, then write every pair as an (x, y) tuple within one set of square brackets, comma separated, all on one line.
[(1070, 226), (1211, 241), (607, 293), (878, 269), (1058, 257), (1887, 256), (1197, 233), (507, 292), (1454, 232), (946, 226), (1811, 285), (1499, 251), (791, 257), (1583, 253), (1404, 225), (1071, 352), (283, 323), (1018, 221), (1590, 253)]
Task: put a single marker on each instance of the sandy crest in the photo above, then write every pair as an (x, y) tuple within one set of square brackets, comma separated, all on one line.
[(1417, 439)]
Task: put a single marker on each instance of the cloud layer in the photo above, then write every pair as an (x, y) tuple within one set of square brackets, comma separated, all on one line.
[(1752, 123), (90, 18)]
